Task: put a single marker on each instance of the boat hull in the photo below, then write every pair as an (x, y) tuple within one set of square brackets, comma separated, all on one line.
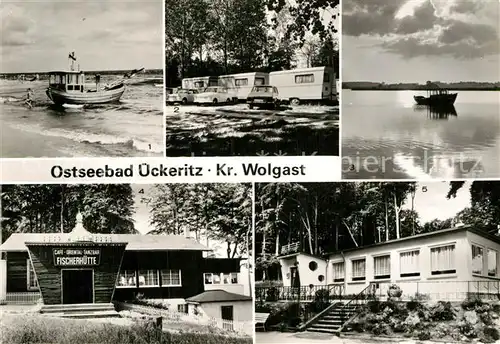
[(437, 100), (102, 97)]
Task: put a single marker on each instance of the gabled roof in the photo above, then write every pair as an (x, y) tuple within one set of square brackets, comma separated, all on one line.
[(136, 242), (217, 295)]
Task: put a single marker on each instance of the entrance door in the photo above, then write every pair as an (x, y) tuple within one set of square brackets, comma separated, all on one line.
[(77, 286), (294, 273)]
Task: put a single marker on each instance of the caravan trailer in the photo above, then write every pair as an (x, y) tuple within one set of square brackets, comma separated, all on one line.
[(199, 83), (306, 84), (243, 83)]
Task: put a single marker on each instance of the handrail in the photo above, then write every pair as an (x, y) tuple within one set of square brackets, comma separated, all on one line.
[(369, 291), (290, 248)]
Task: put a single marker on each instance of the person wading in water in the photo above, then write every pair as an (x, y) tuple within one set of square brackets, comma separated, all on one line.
[(29, 98)]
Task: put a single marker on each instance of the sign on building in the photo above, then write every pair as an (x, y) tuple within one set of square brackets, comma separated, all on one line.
[(76, 256)]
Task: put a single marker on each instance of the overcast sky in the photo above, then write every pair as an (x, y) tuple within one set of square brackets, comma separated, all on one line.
[(433, 204), (37, 36), (420, 40)]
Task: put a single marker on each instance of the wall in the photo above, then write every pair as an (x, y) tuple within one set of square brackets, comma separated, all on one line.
[(3, 279), (16, 272), (231, 288), (308, 276), (286, 263), (242, 310), (427, 282), (49, 276)]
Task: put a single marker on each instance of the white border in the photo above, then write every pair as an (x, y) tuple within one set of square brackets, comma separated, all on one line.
[(164, 91)]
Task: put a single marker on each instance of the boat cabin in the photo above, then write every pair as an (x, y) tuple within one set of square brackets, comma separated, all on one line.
[(67, 81)]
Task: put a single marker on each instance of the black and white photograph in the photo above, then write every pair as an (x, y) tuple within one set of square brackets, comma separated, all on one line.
[(126, 263), (377, 262), (420, 89), (252, 77), (81, 78)]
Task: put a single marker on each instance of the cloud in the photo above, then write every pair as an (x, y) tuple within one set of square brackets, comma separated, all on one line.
[(464, 29)]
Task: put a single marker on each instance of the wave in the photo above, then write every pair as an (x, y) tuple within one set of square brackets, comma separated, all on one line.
[(95, 138)]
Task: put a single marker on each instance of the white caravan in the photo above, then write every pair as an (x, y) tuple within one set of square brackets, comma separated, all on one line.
[(199, 83), (243, 83), (306, 84)]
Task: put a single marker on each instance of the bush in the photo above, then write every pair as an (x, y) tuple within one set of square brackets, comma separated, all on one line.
[(414, 305), (490, 335), (321, 295), (467, 330), (424, 335), (36, 329), (374, 306), (471, 304), (442, 311)]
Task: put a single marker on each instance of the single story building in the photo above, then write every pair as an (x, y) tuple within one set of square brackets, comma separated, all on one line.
[(447, 264), (220, 304), (85, 268)]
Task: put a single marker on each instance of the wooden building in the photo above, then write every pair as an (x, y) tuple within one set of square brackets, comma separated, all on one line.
[(81, 267)]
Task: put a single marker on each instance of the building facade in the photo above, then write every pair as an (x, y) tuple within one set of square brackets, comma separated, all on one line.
[(81, 267), (446, 264)]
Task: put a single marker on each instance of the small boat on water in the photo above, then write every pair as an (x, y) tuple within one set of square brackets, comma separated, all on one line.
[(69, 87), (436, 96)]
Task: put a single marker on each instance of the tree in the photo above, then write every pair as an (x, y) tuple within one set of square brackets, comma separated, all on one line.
[(309, 15), (44, 208)]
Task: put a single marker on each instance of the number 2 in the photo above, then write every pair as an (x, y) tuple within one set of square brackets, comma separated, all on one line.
[(176, 109)]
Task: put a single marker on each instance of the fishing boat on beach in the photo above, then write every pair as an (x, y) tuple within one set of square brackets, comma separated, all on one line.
[(69, 87), (436, 96)]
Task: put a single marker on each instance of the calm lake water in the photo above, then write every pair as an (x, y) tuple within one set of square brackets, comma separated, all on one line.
[(385, 135), (131, 127)]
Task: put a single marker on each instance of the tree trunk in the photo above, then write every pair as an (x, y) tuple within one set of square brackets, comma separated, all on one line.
[(386, 220), (396, 209), (350, 233)]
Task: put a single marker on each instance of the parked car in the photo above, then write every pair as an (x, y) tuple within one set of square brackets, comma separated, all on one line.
[(181, 95), (215, 95), (263, 96)]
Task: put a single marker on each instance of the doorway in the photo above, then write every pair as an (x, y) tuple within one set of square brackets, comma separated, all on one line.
[(228, 315), (295, 279), (77, 286)]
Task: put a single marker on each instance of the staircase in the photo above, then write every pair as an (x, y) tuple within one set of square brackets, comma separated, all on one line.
[(81, 310), (332, 320)]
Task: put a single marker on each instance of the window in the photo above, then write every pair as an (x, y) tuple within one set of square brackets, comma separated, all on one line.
[(492, 263), (70, 87), (321, 278), (304, 79), (227, 278), (31, 281), (338, 272), (382, 266), (208, 279), (234, 278), (171, 278), (127, 278), (313, 265), (477, 260), (199, 84), (259, 81), (443, 260), (227, 315), (409, 264), (148, 278), (241, 82), (358, 269), (182, 308)]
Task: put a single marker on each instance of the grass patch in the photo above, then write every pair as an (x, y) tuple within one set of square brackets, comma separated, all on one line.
[(33, 329)]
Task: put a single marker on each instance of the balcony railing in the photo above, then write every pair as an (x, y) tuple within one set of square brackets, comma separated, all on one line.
[(300, 294), (26, 298), (290, 248)]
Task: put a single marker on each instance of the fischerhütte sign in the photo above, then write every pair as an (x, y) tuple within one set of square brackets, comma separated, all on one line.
[(76, 257)]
